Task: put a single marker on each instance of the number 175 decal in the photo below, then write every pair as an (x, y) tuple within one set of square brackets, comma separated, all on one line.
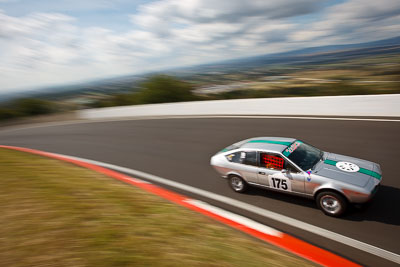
[(280, 183)]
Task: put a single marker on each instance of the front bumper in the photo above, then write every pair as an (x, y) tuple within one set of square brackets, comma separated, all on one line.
[(373, 193)]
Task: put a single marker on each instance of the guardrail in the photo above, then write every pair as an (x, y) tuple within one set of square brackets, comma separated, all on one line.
[(364, 105)]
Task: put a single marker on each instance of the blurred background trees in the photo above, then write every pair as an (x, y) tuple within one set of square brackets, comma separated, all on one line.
[(164, 89), (27, 107), (33, 106), (156, 89)]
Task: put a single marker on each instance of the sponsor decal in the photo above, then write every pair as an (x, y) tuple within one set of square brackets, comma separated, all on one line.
[(309, 177), (292, 148)]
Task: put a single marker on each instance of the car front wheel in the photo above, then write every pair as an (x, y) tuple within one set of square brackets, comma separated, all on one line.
[(237, 183), (331, 203)]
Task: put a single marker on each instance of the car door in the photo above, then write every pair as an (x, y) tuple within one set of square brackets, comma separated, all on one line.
[(276, 173), (249, 165), (297, 177), (246, 164)]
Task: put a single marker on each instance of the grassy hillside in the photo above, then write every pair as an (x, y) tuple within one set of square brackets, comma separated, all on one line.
[(57, 214)]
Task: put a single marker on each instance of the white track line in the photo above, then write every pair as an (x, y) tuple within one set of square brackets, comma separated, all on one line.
[(256, 210), (235, 217), (52, 124), (306, 118)]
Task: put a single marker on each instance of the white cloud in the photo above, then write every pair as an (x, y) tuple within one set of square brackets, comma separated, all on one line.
[(45, 48), (354, 21)]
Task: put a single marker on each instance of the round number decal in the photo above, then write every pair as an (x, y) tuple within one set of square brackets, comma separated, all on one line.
[(347, 166)]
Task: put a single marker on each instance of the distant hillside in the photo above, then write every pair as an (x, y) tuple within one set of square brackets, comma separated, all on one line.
[(301, 57), (104, 86), (315, 54)]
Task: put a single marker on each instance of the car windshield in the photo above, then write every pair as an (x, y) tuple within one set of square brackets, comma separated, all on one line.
[(305, 156)]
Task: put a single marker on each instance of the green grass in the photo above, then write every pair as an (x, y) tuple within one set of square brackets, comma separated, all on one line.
[(56, 214)]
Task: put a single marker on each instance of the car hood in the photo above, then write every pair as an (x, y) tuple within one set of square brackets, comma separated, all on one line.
[(358, 172)]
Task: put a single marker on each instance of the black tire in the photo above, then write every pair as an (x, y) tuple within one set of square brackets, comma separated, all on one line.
[(237, 183), (331, 203)]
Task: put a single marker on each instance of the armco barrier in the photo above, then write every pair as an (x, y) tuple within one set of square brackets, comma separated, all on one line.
[(364, 105)]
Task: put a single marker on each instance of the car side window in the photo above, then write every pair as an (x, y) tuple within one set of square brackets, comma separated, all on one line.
[(244, 157), (234, 157), (271, 161), (290, 168), (250, 158)]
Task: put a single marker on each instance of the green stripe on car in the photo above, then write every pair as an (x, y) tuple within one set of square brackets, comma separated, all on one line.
[(362, 170), (372, 173), (270, 142), (330, 162)]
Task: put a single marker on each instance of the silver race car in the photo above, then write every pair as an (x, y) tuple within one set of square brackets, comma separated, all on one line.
[(292, 166)]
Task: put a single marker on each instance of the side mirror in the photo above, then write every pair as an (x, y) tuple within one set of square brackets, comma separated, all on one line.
[(284, 171)]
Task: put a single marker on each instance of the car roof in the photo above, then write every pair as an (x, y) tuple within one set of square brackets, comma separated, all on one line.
[(277, 144)]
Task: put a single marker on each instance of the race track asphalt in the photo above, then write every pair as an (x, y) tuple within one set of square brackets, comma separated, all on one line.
[(180, 150)]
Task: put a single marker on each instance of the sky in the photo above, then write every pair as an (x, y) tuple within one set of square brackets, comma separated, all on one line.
[(46, 42)]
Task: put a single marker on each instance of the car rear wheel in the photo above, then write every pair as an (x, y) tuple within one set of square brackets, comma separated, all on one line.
[(331, 203), (237, 183)]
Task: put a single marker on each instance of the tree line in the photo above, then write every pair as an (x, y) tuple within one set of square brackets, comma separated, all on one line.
[(156, 89)]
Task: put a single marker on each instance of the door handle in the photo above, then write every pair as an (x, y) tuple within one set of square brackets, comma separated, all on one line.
[(263, 173)]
